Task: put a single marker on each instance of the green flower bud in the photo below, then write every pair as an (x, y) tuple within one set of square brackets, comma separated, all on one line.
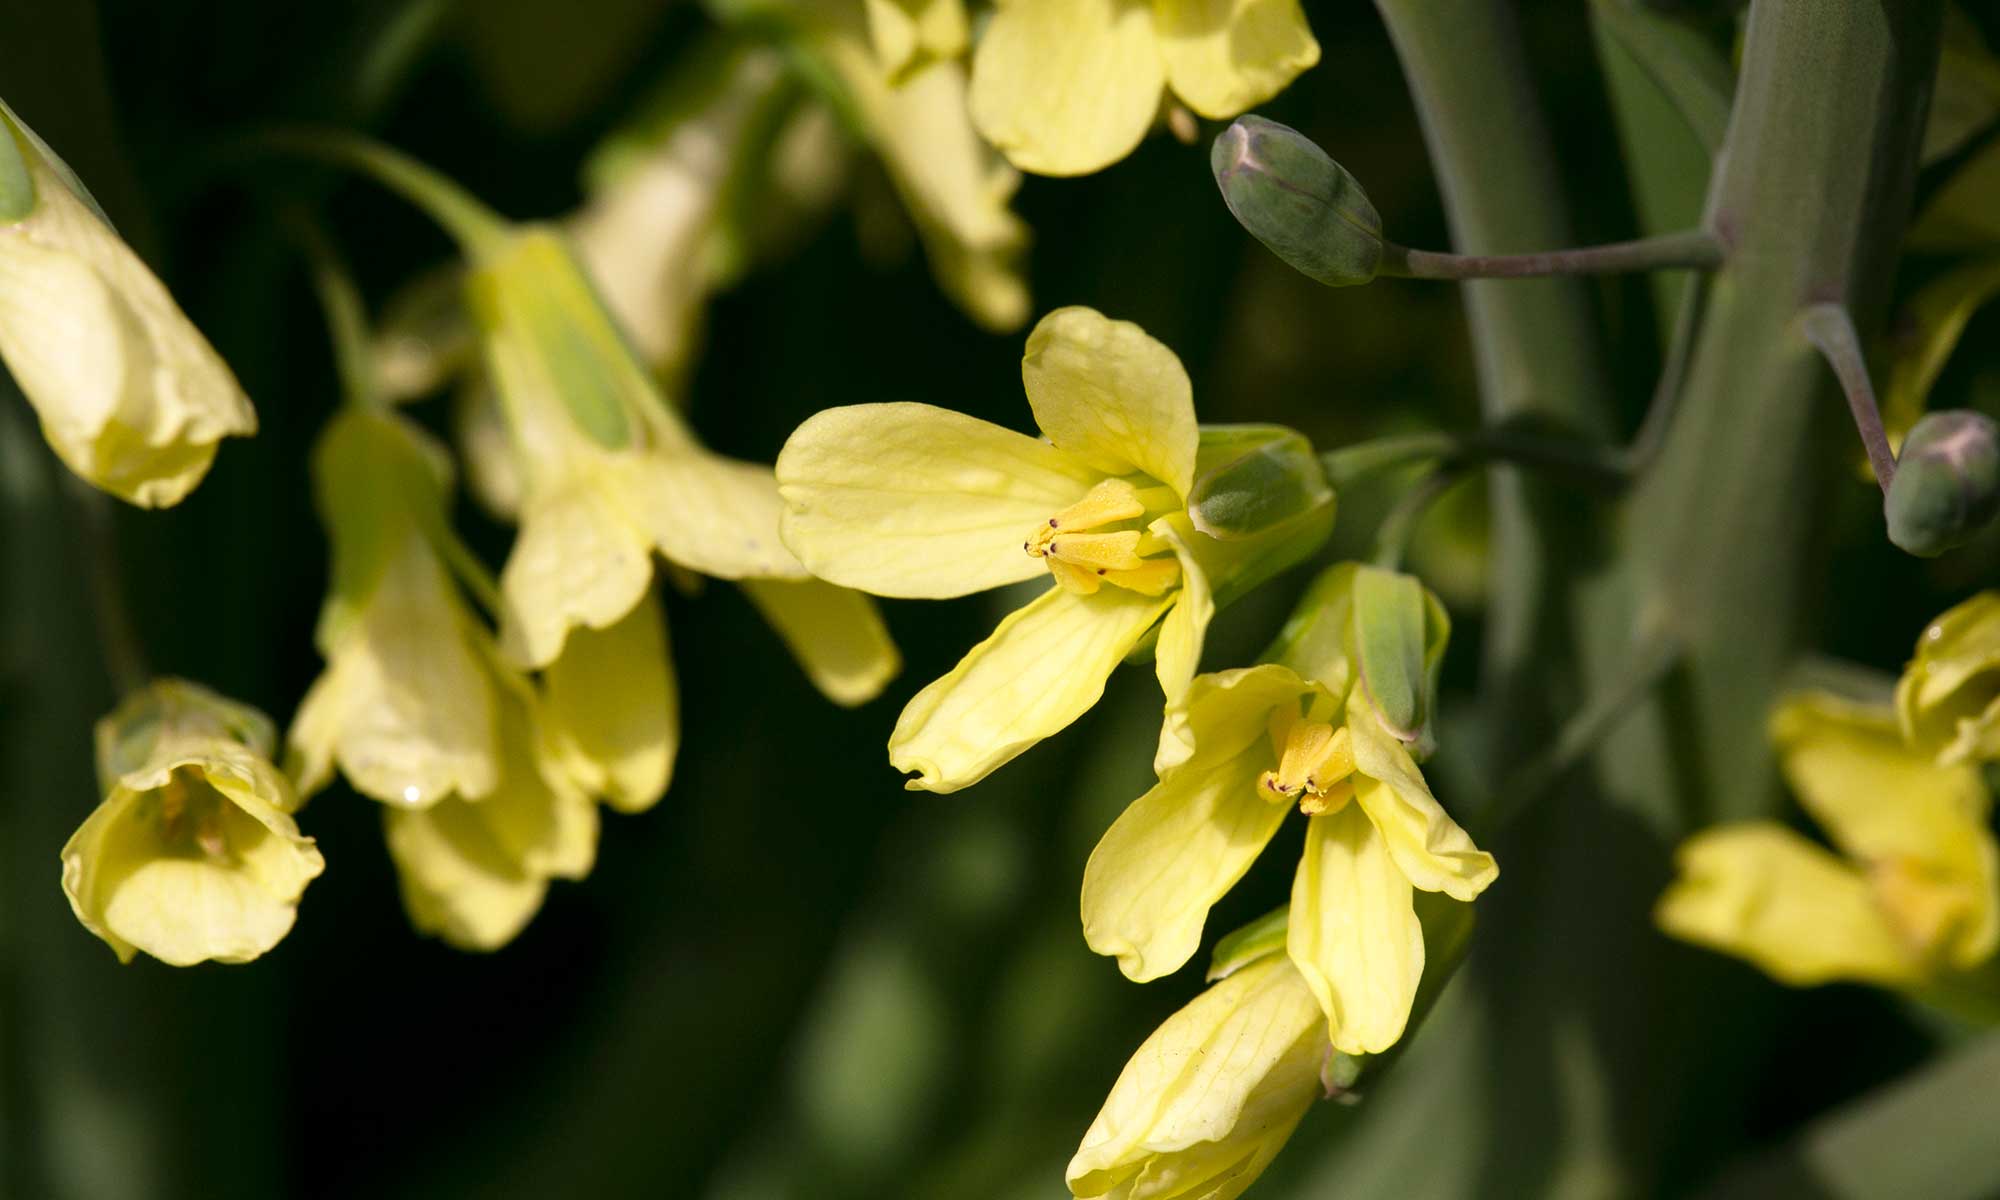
[(1947, 484), (1301, 204)]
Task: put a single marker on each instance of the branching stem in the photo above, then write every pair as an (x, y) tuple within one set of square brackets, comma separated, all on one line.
[(1831, 329), (1694, 249)]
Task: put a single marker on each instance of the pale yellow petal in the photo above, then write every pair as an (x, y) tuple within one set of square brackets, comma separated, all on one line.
[(1923, 827), (1211, 1096), (1041, 669), (537, 812), (1067, 87), (1178, 655), (1353, 933), (1430, 848), (836, 633), (1763, 893), (910, 500), (712, 514), (130, 395), (907, 34), (579, 560), (1226, 56), (1949, 696), (612, 709), (456, 880), (1108, 393), (1180, 847)]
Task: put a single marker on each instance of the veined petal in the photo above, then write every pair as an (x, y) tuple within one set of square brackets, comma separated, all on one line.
[(1180, 847), (1211, 1096), (911, 500), (1430, 848), (579, 560), (1761, 892), (1041, 669), (612, 710), (1353, 933), (1109, 394), (130, 395), (1067, 87), (836, 634), (1923, 826), (1226, 56), (713, 514)]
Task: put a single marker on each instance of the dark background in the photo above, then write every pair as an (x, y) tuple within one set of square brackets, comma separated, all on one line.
[(791, 978)]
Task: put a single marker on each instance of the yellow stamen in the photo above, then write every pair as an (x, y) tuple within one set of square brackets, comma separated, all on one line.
[(1315, 763), (1923, 907), (1083, 561)]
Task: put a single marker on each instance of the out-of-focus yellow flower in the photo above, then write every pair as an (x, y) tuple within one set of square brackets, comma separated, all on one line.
[(1949, 697), (406, 704), (610, 475), (474, 872), (1212, 1096), (1264, 739), (911, 500), (1067, 87), (1912, 892), (910, 34), (130, 395), (193, 855)]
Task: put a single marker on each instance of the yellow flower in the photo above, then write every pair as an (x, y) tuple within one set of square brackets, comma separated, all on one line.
[(130, 395), (1949, 696), (1212, 1096), (910, 500), (1912, 891), (1067, 87), (1262, 740), (474, 872), (610, 475), (406, 704), (193, 855), (910, 34)]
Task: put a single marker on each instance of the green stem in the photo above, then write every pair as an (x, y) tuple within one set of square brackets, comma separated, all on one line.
[(477, 229), (1695, 249), (117, 638), (346, 316), (1393, 535), (1831, 330)]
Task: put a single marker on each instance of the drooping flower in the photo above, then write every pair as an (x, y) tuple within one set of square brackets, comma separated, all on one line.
[(1252, 743), (405, 707), (193, 855), (474, 871), (1949, 696), (1212, 1096), (910, 500), (1067, 87), (1914, 890), (130, 395), (610, 475)]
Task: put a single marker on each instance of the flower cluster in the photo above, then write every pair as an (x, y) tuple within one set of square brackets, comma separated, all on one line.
[(1910, 896)]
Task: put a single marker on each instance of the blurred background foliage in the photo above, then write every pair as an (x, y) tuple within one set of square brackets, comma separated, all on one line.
[(793, 978)]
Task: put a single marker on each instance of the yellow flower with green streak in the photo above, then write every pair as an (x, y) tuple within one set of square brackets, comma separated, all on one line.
[(1067, 87), (910, 500), (1911, 893), (610, 476), (1949, 697), (193, 855), (1212, 1096), (1259, 741), (475, 871), (130, 395)]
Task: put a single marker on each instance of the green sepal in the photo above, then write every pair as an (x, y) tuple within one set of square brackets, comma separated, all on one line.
[(17, 185), (1263, 475), (125, 738), (1246, 944), (1448, 926), (1390, 646), (1295, 199), (375, 476)]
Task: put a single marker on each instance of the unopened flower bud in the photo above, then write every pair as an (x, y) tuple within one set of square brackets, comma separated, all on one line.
[(1947, 484), (1297, 201)]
